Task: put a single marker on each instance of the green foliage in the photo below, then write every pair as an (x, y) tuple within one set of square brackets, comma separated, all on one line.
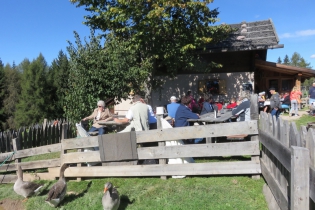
[(98, 72), (13, 91), (33, 103), (286, 60), (166, 33), (279, 60), (296, 60), (57, 79), (2, 96)]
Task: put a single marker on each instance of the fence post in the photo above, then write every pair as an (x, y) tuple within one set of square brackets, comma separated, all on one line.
[(300, 178), (161, 144), (16, 146)]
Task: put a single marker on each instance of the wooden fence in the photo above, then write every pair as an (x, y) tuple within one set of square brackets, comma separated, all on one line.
[(71, 153), (287, 162), (35, 136)]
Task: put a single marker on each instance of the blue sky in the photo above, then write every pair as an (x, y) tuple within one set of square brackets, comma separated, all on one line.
[(44, 26)]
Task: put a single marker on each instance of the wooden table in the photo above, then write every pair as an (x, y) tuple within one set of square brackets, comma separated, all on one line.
[(112, 123), (209, 118)]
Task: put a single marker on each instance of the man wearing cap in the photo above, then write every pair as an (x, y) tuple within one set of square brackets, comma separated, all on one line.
[(311, 94), (274, 102), (137, 116), (172, 107)]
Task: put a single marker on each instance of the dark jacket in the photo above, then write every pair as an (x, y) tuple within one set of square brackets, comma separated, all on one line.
[(206, 108), (286, 100), (183, 113), (242, 110), (275, 101)]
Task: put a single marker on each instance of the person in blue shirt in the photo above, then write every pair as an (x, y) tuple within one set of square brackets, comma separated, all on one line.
[(172, 107), (183, 113)]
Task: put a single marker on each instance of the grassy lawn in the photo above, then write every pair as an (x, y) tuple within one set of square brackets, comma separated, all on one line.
[(200, 192), (225, 192)]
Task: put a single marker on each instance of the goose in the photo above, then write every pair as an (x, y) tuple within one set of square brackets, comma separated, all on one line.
[(25, 189), (58, 191), (110, 198)]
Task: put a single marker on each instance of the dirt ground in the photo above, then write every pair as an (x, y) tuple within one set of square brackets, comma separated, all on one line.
[(8, 204)]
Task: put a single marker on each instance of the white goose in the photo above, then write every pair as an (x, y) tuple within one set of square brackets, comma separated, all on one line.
[(111, 199)]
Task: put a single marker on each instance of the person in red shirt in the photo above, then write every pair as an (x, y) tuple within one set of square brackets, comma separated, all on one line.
[(232, 104)]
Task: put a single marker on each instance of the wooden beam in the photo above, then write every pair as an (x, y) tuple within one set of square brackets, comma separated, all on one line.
[(213, 168), (200, 150), (38, 150), (200, 131), (79, 143)]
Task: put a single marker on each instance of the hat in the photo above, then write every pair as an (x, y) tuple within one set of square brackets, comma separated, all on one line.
[(272, 88), (173, 98)]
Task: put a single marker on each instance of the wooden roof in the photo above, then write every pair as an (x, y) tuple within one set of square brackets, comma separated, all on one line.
[(281, 68), (256, 35)]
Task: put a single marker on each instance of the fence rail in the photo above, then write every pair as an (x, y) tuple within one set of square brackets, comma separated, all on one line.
[(286, 162)]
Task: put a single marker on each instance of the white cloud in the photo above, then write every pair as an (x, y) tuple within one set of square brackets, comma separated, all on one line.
[(313, 56), (309, 32), (257, 16)]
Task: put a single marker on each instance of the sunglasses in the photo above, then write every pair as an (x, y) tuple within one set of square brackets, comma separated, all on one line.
[(99, 106)]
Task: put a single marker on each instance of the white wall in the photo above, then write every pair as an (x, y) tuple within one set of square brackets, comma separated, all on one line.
[(179, 85), (182, 83)]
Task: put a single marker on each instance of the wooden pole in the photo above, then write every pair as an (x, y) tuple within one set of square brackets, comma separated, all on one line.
[(161, 144)]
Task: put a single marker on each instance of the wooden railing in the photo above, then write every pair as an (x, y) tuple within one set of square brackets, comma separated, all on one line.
[(110, 168), (287, 162)]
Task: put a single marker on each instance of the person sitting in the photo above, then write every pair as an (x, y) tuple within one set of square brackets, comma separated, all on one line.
[(207, 105), (183, 113), (285, 103), (99, 114), (172, 107), (193, 106), (137, 116), (242, 111), (232, 104)]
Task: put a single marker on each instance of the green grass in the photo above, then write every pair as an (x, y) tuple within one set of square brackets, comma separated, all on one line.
[(224, 192)]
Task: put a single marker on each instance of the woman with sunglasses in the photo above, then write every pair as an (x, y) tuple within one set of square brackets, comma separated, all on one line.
[(99, 114)]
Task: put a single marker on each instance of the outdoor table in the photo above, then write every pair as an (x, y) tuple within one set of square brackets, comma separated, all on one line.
[(113, 124), (209, 118)]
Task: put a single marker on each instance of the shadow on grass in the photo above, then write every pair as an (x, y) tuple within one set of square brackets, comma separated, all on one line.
[(124, 202), (72, 197)]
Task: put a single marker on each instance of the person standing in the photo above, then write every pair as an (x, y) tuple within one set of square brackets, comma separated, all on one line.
[(274, 102), (137, 116), (311, 94), (152, 117), (295, 96), (99, 114)]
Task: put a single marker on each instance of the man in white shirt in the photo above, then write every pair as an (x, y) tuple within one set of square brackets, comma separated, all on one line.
[(137, 116)]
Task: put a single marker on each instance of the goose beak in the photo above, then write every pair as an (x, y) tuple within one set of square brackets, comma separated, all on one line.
[(105, 189)]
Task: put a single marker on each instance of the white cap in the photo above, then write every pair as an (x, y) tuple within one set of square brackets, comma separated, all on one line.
[(173, 98)]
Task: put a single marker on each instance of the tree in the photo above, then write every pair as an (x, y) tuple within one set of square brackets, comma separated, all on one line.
[(279, 60), (32, 106), (57, 80), (166, 33), (13, 91), (2, 95), (100, 72), (286, 60)]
